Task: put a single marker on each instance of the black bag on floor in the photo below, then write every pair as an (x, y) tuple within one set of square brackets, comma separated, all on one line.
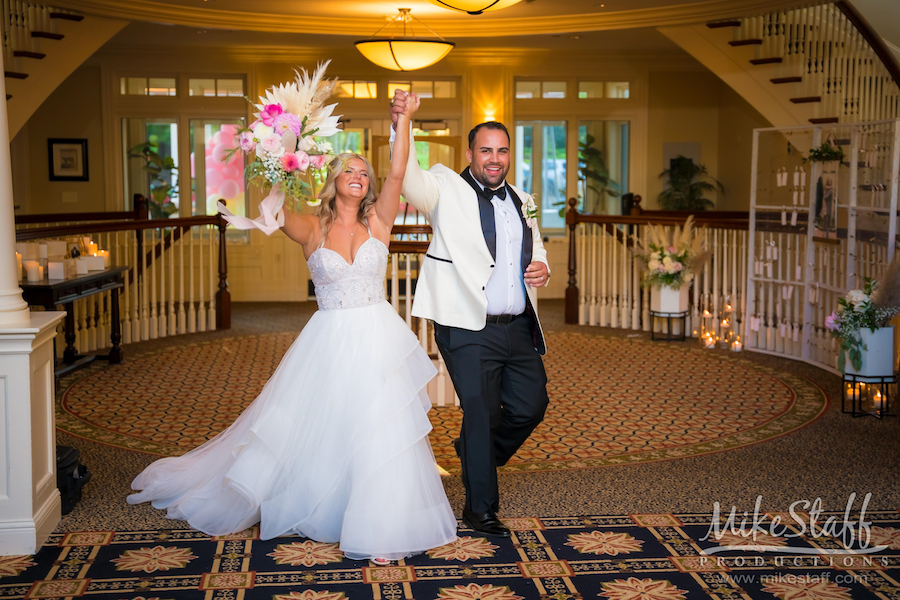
[(71, 476)]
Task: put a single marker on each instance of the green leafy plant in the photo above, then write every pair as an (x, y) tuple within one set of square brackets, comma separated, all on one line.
[(592, 170), (687, 182), (825, 152), (162, 192), (869, 308)]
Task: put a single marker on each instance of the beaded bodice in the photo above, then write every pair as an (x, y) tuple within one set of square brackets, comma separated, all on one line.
[(342, 285)]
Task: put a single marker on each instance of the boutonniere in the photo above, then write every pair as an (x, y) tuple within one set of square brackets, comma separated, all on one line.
[(530, 212)]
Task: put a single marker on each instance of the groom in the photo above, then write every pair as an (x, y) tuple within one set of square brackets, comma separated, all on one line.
[(477, 284)]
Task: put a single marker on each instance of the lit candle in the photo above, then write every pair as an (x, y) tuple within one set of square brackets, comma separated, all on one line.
[(19, 267), (736, 347), (706, 314), (105, 255), (878, 401), (32, 270), (92, 248), (710, 342)]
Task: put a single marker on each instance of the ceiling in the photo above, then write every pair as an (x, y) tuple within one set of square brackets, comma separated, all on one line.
[(364, 18)]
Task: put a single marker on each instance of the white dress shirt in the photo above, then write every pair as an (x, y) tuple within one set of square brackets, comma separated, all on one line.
[(505, 290)]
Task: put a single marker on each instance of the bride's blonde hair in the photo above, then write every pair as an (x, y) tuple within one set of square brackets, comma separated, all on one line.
[(329, 191)]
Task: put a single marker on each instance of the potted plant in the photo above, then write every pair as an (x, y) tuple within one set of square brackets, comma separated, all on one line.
[(862, 323), (594, 175), (162, 192), (686, 183), (671, 262)]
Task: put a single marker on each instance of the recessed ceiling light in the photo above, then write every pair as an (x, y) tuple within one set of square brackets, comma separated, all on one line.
[(575, 37)]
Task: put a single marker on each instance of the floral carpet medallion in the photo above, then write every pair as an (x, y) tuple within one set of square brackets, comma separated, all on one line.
[(613, 401), (617, 557)]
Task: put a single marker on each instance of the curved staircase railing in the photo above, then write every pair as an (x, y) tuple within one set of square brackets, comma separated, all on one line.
[(829, 58)]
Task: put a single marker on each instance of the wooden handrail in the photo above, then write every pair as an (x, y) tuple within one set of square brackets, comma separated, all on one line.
[(872, 38), (61, 230)]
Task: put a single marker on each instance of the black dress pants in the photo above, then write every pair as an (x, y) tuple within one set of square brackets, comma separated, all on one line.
[(502, 387)]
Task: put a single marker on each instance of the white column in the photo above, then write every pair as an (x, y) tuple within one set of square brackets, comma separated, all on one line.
[(12, 308), (29, 499)]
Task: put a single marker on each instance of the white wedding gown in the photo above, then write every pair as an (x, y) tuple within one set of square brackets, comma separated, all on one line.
[(335, 447)]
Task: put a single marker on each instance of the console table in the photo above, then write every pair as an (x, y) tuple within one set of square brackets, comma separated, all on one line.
[(51, 292)]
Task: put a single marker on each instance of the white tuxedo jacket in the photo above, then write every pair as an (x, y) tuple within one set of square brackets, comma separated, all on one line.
[(456, 269)]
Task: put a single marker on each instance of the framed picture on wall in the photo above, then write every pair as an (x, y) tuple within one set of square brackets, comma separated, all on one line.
[(68, 159)]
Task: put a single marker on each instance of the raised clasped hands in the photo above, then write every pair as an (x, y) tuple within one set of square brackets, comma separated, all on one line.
[(401, 102), (537, 274)]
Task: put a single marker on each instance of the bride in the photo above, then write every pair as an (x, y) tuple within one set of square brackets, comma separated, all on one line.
[(335, 447)]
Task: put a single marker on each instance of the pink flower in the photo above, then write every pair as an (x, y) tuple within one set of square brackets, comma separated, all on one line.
[(247, 143), (287, 122), (832, 321), (303, 159), (672, 250), (272, 144), (289, 162), (269, 112), (678, 267), (317, 161)]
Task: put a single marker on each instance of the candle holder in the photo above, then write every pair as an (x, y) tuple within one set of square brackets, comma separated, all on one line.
[(863, 396)]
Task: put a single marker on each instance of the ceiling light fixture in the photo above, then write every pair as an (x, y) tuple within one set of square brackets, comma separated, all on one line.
[(404, 52), (475, 7)]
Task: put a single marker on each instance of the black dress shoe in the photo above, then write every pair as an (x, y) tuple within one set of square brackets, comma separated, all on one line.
[(486, 523)]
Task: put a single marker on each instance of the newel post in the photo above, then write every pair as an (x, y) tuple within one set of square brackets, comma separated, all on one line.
[(223, 296), (572, 288)]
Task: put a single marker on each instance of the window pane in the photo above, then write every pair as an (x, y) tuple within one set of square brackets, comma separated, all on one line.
[(146, 141), (590, 89), (602, 165), (398, 85), (364, 89), (161, 86), (617, 89), (528, 89), (541, 167), (445, 89), (133, 86), (215, 176), (554, 89), (230, 88), (202, 87), (343, 89), (424, 89)]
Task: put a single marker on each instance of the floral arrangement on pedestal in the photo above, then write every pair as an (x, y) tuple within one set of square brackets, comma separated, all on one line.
[(862, 313), (281, 142), (671, 261)]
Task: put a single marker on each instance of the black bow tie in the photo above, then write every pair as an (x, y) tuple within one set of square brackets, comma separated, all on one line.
[(488, 193)]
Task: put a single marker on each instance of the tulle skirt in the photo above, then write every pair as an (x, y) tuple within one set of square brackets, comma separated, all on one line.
[(335, 447)]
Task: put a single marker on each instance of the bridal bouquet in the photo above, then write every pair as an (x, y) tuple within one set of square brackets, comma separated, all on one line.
[(870, 308), (672, 260), (281, 142)]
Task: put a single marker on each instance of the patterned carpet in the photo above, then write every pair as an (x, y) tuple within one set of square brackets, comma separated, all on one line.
[(638, 557), (614, 401)]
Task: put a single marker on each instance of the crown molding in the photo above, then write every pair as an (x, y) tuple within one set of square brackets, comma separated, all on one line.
[(154, 12)]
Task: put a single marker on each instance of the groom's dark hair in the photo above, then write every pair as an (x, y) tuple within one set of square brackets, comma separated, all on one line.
[(487, 125)]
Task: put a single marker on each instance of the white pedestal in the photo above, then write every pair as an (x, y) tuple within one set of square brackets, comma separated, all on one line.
[(878, 357), (29, 499), (666, 300)]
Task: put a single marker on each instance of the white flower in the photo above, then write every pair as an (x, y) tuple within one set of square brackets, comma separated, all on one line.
[(654, 255), (272, 144), (529, 211), (857, 296), (261, 130), (667, 261), (653, 264)]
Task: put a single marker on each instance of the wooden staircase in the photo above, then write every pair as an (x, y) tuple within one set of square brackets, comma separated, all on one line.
[(41, 47), (816, 64)]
